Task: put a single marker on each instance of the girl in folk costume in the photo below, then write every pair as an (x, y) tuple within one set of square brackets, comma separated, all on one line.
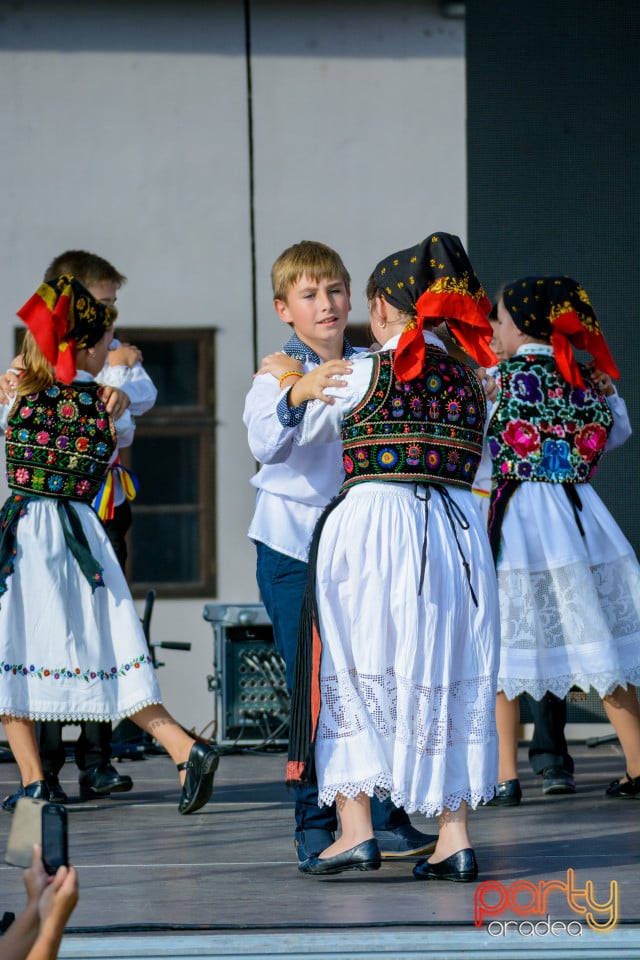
[(397, 666), (568, 580), (71, 644)]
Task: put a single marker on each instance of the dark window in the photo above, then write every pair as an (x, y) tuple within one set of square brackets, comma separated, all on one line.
[(172, 537)]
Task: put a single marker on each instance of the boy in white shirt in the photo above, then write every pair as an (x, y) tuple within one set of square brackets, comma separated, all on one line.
[(311, 289)]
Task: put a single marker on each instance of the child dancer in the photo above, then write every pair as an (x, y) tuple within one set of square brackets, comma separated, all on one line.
[(71, 644), (568, 580), (311, 288), (394, 689)]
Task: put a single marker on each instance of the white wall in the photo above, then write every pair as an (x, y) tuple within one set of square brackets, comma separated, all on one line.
[(125, 132)]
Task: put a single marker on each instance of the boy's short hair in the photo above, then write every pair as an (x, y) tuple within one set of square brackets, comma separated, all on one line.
[(310, 257), (88, 268)]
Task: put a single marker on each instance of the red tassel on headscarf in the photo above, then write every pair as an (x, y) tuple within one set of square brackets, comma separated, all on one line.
[(46, 315), (568, 329), (473, 333), (63, 316)]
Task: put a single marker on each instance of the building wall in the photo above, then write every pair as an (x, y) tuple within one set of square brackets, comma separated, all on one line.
[(127, 131)]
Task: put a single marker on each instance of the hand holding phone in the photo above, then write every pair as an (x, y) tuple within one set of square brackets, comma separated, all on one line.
[(36, 821), (55, 852)]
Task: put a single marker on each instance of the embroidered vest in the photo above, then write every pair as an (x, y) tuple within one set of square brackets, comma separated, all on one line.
[(543, 428), (59, 442), (429, 430)]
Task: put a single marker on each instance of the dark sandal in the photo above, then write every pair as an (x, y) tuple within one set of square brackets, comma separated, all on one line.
[(198, 783), (630, 788)]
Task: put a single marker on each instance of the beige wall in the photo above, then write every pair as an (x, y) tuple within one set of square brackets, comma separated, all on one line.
[(125, 131)]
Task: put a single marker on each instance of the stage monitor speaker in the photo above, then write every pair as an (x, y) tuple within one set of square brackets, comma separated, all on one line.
[(581, 708), (249, 681)]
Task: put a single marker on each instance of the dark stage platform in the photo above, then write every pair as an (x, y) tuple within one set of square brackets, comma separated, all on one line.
[(223, 883)]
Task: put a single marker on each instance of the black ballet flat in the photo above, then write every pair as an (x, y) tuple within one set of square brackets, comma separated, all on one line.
[(38, 790), (460, 867), (630, 788), (364, 856), (198, 784), (508, 794)]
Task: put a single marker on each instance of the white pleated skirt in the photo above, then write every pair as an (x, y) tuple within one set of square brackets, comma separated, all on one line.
[(569, 604), (408, 676), (67, 653)]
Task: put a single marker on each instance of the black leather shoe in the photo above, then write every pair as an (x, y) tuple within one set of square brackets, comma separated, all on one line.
[(309, 843), (630, 788), (508, 794), (56, 793), (460, 867), (404, 841), (101, 780), (37, 790), (556, 780), (364, 856), (201, 767)]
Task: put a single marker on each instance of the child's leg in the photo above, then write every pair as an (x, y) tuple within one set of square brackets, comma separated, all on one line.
[(623, 711), (453, 834), (22, 741), (196, 761), (507, 721), (159, 723), (355, 820)]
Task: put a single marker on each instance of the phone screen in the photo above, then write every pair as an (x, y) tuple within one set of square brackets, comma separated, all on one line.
[(54, 837)]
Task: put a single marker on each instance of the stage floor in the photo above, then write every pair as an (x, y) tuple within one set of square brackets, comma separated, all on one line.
[(152, 880)]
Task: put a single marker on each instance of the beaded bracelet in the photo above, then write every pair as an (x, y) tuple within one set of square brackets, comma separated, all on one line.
[(289, 373)]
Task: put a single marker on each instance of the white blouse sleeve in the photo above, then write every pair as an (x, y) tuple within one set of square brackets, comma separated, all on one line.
[(125, 429), (269, 440), (621, 429), (322, 421), (5, 409), (134, 381)]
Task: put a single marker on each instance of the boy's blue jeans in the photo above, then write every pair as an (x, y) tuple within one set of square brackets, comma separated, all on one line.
[(281, 580)]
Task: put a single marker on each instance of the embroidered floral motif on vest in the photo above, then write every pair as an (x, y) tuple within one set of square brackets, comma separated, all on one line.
[(59, 442), (543, 428), (429, 430)]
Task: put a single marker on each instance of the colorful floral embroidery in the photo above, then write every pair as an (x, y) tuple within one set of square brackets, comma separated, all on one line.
[(66, 439), (387, 458), (591, 441), (544, 429), (389, 435), (526, 386), (73, 673), (523, 437)]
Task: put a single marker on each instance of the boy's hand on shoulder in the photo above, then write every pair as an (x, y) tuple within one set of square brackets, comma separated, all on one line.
[(8, 385), (278, 364), (125, 355), (116, 401), (314, 383)]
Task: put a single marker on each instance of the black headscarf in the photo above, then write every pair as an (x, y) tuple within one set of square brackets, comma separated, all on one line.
[(557, 309), (434, 280), (64, 317)]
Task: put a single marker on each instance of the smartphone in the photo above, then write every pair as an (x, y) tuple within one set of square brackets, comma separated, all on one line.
[(54, 837), (26, 829)]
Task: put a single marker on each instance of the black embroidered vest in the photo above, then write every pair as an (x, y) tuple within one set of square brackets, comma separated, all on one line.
[(429, 430), (543, 428), (59, 442)]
